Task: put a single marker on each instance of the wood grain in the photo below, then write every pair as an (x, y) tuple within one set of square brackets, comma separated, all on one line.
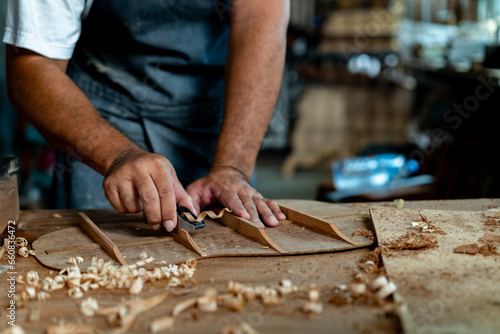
[(96, 234), (444, 291), (315, 224), (249, 229)]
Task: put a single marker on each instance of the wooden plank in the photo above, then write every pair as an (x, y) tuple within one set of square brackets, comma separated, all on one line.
[(443, 291), (315, 224), (96, 234)]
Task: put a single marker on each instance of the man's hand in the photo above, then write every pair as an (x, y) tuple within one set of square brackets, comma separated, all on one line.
[(138, 177), (231, 188)]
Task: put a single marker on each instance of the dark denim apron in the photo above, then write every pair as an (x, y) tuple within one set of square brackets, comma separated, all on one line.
[(154, 69)]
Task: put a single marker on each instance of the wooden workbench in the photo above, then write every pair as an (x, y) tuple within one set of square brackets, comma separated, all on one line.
[(324, 270)]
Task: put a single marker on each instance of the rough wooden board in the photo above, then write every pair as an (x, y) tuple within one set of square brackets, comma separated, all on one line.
[(132, 236), (478, 204), (444, 292)]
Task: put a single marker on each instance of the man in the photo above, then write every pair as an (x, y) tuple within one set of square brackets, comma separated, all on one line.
[(148, 95)]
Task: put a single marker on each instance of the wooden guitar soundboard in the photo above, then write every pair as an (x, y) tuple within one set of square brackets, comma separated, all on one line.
[(312, 227)]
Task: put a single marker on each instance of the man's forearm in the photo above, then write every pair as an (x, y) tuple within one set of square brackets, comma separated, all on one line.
[(254, 71), (45, 95)]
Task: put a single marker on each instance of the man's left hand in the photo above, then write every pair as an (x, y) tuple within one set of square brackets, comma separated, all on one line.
[(229, 187)]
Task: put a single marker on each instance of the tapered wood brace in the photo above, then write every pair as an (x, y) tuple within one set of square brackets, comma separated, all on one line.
[(249, 229), (182, 236), (315, 224), (102, 239)]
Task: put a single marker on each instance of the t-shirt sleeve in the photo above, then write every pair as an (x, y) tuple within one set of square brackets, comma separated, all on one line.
[(50, 28)]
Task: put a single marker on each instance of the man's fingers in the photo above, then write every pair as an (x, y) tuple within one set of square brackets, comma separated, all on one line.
[(150, 200), (114, 199), (183, 199), (129, 197), (231, 200), (251, 209), (163, 181), (275, 209), (265, 212)]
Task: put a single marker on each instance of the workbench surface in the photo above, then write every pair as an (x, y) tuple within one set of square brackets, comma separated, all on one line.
[(325, 270)]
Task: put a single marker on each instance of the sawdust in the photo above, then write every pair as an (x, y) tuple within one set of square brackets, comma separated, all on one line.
[(492, 222), (413, 241), (473, 249), (489, 249), (426, 226), (364, 233)]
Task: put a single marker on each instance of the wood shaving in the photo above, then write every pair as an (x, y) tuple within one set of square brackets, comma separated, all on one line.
[(203, 214), (398, 203), (412, 241), (42, 296), (313, 293), (474, 249), (489, 249), (162, 324), (492, 222), (234, 303), (23, 251), (364, 233), (56, 215), (312, 307), (72, 328), (490, 237), (208, 302), (494, 213), (21, 242), (244, 328), (14, 330), (369, 287), (75, 260), (89, 307), (184, 305), (125, 313), (136, 287), (425, 226)]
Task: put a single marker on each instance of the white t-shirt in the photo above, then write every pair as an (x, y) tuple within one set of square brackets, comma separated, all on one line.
[(48, 27)]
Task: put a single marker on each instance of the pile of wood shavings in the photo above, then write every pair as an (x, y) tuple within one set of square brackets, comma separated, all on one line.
[(105, 275), (412, 241), (473, 249), (370, 286), (364, 233), (425, 226), (236, 297)]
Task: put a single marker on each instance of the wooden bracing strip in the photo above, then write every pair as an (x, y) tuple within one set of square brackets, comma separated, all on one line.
[(249, 229), (204, 214), (102, 239), (183, 237), (315, 224)]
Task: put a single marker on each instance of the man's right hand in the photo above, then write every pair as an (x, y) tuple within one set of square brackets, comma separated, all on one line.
[(140, 180)]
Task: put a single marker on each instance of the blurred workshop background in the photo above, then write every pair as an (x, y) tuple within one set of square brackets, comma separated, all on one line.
[(380, 100)]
